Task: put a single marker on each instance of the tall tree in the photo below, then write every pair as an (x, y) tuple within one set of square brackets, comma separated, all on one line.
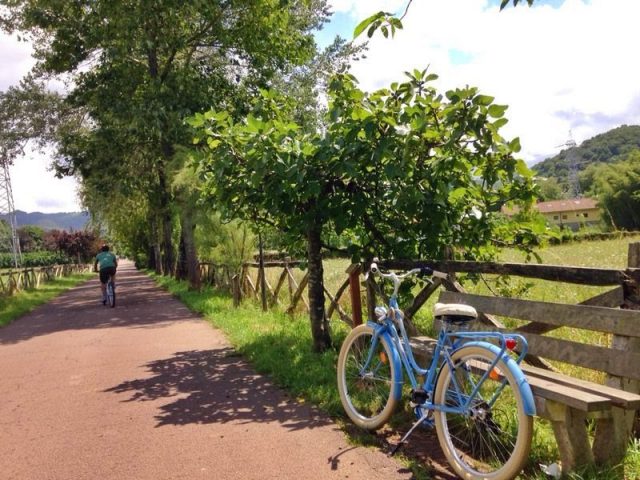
[(28, 113), (617, 186), (140, 66), (403, 169)]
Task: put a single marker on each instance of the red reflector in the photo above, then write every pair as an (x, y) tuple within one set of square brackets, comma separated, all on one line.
[(511, 343)]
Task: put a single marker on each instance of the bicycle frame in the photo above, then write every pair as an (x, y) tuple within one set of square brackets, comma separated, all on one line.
[(448, 342)]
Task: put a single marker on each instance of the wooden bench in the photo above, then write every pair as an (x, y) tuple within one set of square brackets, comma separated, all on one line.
[(565, 401)]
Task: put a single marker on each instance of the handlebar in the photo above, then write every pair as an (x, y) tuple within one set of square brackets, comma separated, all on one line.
[(397, 278)]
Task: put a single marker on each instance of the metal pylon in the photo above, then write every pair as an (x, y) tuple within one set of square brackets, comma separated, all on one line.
[(8, 236), (572, 160)]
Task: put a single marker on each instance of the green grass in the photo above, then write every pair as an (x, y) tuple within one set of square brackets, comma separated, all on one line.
[(23, 302)]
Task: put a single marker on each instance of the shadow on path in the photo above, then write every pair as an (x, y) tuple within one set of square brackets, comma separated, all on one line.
[(210, 386)]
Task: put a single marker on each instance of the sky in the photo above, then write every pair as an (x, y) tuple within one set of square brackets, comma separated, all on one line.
[(564, 67)]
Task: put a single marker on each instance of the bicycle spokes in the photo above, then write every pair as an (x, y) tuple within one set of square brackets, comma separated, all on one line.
[(481, 419)]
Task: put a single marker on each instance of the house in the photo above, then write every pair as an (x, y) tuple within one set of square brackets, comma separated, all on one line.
[(572, 213)]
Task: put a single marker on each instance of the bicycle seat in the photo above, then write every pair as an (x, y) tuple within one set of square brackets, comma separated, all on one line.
[(454, 312)]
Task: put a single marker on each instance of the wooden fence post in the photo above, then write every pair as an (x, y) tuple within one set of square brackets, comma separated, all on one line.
[(613, 434), (371, 297), (235, 285), (289, 277), (261, 275), (354, 290)]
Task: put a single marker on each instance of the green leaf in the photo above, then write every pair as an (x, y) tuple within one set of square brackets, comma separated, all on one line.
[(483, 100), (497, 111), (514, 145), (500, 123), (457, 194), (361, 27), (253, 123), (523, 169)]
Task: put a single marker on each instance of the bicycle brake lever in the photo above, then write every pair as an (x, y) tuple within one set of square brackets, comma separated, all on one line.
[(373, 268), (425, 272)]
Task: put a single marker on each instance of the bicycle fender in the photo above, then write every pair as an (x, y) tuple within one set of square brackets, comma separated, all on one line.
[(518, 374), (396, 390)]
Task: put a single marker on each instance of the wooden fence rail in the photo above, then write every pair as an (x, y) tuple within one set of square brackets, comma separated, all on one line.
[(13, 281)]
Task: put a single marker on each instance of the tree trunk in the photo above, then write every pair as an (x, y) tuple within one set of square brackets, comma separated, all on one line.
[(151, 257), (157, 257), (168, 259), (319, 323), (181, 267), (188, 244)]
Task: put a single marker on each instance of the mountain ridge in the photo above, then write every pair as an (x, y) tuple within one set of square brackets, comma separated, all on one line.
[(608, 147), (52, 221)]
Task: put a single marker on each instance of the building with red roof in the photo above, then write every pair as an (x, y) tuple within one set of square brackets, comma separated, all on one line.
[(573, 213)]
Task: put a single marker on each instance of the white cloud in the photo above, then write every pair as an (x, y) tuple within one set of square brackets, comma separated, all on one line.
[(15, 60), (34, 186), (570, 67), (36, 189)]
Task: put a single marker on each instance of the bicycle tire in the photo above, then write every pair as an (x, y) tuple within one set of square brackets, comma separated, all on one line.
[(493, 442), (366, 396), (111, 294)]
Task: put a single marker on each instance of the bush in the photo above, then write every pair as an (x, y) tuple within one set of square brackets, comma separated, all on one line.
[(35, 259)]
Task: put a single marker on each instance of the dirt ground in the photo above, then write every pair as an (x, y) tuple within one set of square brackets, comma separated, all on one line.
[(148, 390)]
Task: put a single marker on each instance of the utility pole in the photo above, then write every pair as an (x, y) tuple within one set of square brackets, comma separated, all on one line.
[(8, 237)]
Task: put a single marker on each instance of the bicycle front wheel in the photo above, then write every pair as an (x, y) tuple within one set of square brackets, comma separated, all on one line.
[(366, 376), (491, 438)]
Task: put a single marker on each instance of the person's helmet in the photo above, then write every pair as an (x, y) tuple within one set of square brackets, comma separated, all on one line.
[(104, 247)]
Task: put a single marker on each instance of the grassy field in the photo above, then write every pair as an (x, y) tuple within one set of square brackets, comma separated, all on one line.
[(279, 345)]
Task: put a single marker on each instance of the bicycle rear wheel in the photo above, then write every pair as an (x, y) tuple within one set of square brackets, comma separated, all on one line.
[(111, 294), (366, 377), (492, 439)]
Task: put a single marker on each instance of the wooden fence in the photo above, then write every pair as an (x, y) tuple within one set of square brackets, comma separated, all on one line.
[(275, 283), (626, 281), (253, 281), (13, 281)]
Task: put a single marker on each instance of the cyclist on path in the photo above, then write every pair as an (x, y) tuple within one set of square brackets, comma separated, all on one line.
[(106, 263)]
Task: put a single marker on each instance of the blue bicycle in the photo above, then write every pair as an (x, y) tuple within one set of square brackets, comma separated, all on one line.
[(474, 391)]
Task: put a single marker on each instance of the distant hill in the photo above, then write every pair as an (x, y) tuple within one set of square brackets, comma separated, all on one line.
[(53, 221), (608, 147)]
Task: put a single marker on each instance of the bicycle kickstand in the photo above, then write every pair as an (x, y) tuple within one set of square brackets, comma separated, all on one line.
[(403, 440)]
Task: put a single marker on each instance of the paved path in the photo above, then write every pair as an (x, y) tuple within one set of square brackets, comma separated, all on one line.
[(148, 390)]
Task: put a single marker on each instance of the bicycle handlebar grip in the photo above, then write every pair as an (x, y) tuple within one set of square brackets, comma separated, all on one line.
[(373, 268), (426, 271)]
